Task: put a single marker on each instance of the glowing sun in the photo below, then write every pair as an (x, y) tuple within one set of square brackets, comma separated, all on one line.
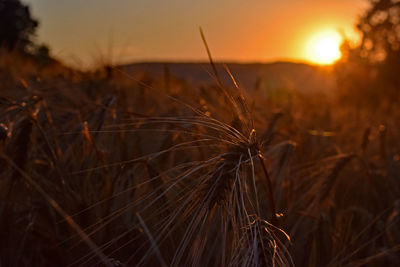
[(324, 47)]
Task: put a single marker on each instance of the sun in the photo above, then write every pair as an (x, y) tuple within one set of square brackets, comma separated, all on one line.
[(324, 47)]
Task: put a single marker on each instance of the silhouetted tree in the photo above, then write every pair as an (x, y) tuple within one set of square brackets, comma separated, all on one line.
[(380, 28), (371, 69), (16, 25)]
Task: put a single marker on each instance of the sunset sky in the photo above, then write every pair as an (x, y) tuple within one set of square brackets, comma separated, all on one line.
[(80, 32)]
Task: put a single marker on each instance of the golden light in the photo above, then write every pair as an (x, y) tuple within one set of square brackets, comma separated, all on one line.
[(324, 47)]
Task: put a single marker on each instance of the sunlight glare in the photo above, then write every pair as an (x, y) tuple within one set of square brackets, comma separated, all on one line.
[(324, 47)]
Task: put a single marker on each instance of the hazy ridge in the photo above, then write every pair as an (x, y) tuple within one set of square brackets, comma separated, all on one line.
[(294, 76)]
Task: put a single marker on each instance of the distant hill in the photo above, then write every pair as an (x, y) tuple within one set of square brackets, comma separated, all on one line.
[(294, 76)]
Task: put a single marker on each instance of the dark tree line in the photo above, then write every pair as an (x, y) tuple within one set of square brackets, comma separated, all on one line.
[(372, 69), (380, 28), (17, 27)]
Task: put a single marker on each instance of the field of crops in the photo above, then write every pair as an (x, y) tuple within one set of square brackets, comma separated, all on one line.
[(114, 169)]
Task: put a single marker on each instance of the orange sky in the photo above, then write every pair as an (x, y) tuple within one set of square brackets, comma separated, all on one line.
[(80, 32)]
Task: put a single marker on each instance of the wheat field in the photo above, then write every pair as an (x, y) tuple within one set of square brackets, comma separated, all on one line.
[(106, 168)]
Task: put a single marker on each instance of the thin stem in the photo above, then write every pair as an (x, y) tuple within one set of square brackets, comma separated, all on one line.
[(270, 192)]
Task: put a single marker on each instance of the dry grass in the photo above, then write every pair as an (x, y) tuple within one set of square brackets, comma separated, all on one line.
[(133, 171)]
